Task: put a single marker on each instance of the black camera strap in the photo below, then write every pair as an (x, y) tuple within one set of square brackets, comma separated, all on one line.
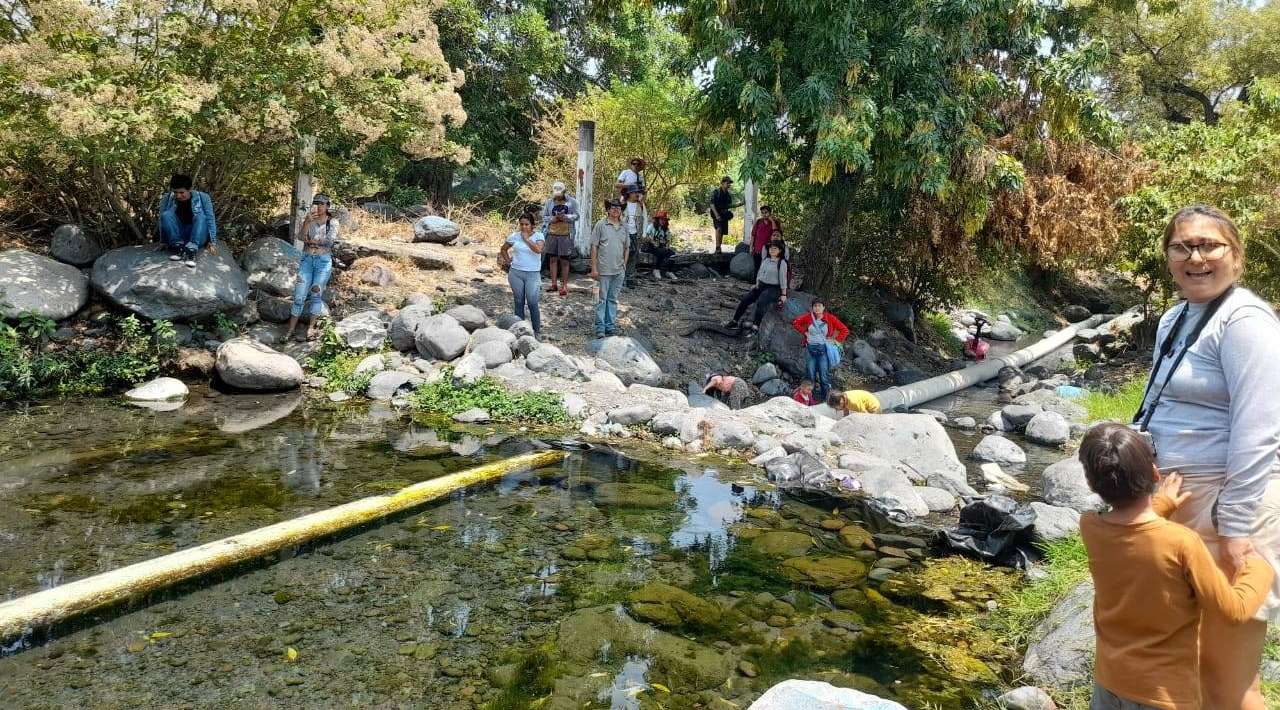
[(1148, 410)]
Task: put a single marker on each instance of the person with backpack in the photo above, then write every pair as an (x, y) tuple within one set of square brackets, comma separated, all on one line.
[(772, 279), (821, 329)]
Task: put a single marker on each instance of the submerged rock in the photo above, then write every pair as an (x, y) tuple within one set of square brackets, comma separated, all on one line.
[(825, 573), (161, 389), (670, 606), (585, 635), (634, 495), (780, 543)]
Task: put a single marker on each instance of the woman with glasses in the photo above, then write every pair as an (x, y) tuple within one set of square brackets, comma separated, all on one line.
[(1212, 408)]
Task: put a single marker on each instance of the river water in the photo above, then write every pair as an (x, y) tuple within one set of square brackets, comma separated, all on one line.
[(605, 581)]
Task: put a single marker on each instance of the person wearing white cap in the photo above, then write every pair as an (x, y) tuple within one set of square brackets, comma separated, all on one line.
[(559, 215)]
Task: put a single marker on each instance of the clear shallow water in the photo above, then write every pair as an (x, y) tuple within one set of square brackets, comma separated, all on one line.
[(553, 585)]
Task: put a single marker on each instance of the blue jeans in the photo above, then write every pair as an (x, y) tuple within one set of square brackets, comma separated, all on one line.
[(188, 236), (313, 274), (819, 370), (607, 306), (526, 287)]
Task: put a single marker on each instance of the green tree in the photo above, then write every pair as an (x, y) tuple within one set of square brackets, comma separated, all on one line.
[(652, 118), (888, 110), (1182, 61), (1233, 165), (100, 101)]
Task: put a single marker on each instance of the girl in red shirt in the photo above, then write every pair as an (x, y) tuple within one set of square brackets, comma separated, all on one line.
[(820, 328)]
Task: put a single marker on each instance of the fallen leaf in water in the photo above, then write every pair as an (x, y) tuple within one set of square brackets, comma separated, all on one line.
[(597, 675), (159, 635), (136, 646), (291, 654), (442, 527), (661, 687)]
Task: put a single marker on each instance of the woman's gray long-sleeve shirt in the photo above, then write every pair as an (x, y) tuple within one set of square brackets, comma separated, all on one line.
[(1221, 410)]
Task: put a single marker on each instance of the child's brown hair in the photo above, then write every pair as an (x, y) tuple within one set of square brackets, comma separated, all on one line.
[(1118, 463)]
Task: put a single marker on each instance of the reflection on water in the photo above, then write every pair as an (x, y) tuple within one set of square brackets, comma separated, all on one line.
[(444, 607)]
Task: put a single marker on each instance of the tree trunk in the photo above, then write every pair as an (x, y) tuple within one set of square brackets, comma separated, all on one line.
[(303, 188), (824, 242)]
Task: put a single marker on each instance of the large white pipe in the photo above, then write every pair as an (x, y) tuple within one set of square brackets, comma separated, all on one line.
[(25, 614), (927, 390)]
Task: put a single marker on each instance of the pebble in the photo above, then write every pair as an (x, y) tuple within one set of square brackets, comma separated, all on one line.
[(778, 621), (832, 524), (893, 552), (894, 563)]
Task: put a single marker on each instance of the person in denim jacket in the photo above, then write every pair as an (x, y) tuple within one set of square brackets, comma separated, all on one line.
[(186, 223)]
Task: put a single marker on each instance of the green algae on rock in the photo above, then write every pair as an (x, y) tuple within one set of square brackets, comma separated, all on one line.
[(587, 633), (778, 543), (826, 573), (670, 606), (634, 495)]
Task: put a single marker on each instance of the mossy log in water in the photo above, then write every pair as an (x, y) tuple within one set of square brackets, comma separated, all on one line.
[(21, 615)]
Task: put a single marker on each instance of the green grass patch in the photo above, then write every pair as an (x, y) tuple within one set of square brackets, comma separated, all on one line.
[(445, 398), (1000, 289), (1118, 405), (337, 363), (940, 324), (1067, 565)]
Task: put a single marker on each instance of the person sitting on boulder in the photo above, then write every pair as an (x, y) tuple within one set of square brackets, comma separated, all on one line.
[(731, 390), (771, 287), (186, 221), (658, 243), (804, 394), (318, 234), (854, 401)]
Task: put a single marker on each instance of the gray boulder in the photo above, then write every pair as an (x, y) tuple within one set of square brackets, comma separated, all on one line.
[(274, 309), (1060, 654), (914, 442), (1051, 402), (1065, 485), (704, 401), (628, 358), (371, 365), (468, 316), (161, 389), (492, 334), (1003, 330), (778, 413), (999, 423), (631, 415), (521, 328), (435, 230), (938, 500), (506, 320), (469, 368), (1075, 314), (894, 490), (143, 280), (441, 337), (1016, 416), (526, 344), (475, 415), (71, 245), (550, 360), (743, 267), (658, 397), (777, 387), (406, 324), (271, 266), (1054, 522), (366, 330), (764, 373), (1027, 697), (387, 383), (998, 449), (1049, 429), (731, 434), (249, 365), (30, 283), (493, 353)]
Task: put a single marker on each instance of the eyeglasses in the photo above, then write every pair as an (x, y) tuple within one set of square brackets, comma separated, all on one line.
[(1209, 251)]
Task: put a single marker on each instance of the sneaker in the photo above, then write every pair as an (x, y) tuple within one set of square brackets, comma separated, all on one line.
[(657, 274), (731, 325), (189, 258), (672, 275), (175, 256)]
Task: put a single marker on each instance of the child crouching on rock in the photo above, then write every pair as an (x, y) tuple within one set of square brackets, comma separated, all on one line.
[(1152, 579), (728, 389)]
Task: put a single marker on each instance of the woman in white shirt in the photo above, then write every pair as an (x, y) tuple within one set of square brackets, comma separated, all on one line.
[(523, 254)]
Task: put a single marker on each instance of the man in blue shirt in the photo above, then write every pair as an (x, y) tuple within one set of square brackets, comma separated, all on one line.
[(186, 221)]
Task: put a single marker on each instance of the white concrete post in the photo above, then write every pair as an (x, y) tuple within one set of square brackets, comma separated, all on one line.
[(586, 178), (750, 209)]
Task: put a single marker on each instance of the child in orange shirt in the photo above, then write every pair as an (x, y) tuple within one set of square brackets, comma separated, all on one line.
[(1152, 577)]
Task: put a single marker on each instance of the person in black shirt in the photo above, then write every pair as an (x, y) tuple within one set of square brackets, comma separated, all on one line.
[(721, 204)]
